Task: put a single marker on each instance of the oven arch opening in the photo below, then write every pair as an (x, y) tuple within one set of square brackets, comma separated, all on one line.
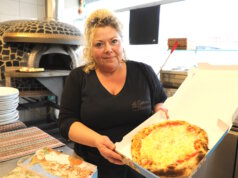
[(54, 57), (56, 61)]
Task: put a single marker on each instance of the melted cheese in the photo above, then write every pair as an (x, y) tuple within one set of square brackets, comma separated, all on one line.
[(59, 158), (166, 145)]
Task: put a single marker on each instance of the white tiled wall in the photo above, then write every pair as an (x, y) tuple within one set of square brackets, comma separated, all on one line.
[(21, 9)]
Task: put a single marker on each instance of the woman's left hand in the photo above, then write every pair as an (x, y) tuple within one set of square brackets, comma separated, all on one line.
[(160, 106)]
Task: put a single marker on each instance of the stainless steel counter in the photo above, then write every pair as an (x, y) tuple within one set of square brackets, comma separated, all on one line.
[(222, 163)]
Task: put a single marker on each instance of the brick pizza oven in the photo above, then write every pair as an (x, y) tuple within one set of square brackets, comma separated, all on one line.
[(48, 44)]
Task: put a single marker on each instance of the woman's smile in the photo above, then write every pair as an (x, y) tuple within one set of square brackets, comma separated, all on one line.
[(107, 49)]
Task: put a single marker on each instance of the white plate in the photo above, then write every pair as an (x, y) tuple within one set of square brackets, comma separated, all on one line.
[(10, 121), (7, 111), (8, 107), (8, 116), (6, 92), (7, 102), (4, 98)]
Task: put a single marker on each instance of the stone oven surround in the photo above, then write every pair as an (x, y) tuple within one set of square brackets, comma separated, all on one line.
[(23, 43)]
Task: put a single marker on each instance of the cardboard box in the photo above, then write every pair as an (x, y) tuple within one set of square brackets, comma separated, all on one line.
[(207, 98)]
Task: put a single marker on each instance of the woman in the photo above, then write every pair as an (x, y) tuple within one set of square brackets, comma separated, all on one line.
[(107, 97)]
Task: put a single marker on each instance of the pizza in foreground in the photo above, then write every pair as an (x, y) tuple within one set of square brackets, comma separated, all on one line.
[(20, 172), (170, 148), (60, 164), (47, 162)]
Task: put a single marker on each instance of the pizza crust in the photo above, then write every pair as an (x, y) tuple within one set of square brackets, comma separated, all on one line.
[(170, 148), (31, 69)]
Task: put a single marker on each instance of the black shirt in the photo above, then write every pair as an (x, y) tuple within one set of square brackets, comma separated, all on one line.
[(85, 99)]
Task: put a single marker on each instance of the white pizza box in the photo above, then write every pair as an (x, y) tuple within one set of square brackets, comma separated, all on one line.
[(208, 98)]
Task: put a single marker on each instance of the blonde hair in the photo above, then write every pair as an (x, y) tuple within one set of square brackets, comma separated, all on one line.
[(99, 18)]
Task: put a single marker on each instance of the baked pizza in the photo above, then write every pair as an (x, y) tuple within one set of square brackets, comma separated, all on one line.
[(59, 164), (47, 162), (170, 148), (20, 172)]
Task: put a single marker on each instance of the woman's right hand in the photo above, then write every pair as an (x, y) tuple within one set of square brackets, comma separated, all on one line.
[(107, 149), (91, 138)]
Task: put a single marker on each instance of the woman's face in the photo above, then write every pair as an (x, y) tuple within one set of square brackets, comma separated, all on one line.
[(107, 49)]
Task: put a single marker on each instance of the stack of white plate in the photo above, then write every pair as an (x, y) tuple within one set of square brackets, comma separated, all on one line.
[(9, 99)]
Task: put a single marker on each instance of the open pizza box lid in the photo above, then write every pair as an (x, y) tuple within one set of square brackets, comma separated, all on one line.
[(207, 98)]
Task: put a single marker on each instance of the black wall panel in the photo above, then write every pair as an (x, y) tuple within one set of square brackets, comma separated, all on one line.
[(144, 25)]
